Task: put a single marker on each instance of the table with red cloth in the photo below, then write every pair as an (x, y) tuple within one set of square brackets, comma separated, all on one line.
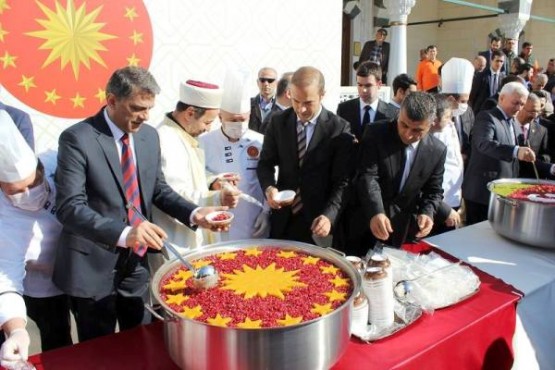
[(474, 334)]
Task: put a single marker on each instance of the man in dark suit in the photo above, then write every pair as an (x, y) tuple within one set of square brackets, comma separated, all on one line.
[(100, 261), (495, 151), (283, 99), (494, 44), (22, 122), (533, 135), (265, 102), (312, 149), (399, 178), (377, 51), (367, 108), (486, 83)]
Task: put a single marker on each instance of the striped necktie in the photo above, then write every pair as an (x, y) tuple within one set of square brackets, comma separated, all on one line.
[(301, 151), (131, 187)]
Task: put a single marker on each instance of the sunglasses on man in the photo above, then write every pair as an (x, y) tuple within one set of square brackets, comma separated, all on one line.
[(264, 79)]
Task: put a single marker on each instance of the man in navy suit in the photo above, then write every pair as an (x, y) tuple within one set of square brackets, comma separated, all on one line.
[(399, 178), (486, 83), (367, 108), (100, 262), (494, 150), (495, 44), (321, 176)]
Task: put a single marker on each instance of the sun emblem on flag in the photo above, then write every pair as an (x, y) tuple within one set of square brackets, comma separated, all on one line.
[(57, 55)]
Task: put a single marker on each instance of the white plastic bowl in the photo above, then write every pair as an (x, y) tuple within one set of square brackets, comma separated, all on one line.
[(285, 197), (213, 217)]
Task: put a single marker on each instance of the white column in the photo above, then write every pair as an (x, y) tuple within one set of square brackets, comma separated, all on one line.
[(399, 11), (512, 23)]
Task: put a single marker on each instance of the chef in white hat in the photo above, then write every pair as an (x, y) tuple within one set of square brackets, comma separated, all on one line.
[(234, 148), (183, 161), (451, 128), (27, 255)]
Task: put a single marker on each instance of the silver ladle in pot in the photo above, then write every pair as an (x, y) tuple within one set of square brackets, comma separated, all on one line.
[(203, 278), (403, 288)]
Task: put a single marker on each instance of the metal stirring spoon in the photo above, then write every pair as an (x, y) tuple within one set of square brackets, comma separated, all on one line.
[(404, 287), (203, 278), (533, 163)]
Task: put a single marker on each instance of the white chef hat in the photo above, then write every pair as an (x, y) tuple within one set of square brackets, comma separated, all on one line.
[(236, 98), (456, 76), (17, 160), (200, 94)]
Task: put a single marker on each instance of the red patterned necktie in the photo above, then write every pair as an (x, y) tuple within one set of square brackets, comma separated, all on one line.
[(131, 186), (301, 149)]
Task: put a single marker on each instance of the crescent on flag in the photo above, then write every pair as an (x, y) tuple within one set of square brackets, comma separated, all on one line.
[(57, 55)]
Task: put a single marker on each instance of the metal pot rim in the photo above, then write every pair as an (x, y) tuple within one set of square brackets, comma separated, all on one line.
[(208, 250), (491, 184)]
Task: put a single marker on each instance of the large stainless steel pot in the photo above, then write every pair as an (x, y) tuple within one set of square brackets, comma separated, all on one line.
[(315, 344), (527, 222)]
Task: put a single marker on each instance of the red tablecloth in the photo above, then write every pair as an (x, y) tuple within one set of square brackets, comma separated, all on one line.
[(475, 334)]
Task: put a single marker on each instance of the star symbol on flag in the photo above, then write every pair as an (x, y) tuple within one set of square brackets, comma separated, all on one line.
[(8, 60), (4, 6), (133, 61), (51, 96), (136, 37), (27, 82), (2, 33), (130, 13), (78, 101), (100, 95)]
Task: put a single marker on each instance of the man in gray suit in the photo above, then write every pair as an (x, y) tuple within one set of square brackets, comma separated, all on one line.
[(100, 261), (495, 152)]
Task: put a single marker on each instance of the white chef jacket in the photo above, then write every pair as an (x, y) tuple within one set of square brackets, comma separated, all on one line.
[(28, 244), (183, 168), (454, 167), (240, 157)]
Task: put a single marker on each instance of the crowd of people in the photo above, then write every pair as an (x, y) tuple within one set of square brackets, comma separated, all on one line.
[(84, 227)]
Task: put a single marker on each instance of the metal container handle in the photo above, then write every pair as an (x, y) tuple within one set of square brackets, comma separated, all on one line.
[(508, 201), (151, 309)]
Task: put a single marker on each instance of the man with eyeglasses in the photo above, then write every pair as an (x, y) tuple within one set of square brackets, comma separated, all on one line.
[(367, 108), (486, 83), (495, 150), (533, 135), (263, 103)]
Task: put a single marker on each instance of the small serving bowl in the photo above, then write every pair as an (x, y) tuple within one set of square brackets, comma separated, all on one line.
[(285, 197), (220, 218)]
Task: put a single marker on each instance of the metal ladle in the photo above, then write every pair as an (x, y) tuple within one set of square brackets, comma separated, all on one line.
[(203, 278), (404, 287)]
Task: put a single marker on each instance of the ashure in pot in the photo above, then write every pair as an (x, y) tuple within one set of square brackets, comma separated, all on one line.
[(522, 210), (313, 344)]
